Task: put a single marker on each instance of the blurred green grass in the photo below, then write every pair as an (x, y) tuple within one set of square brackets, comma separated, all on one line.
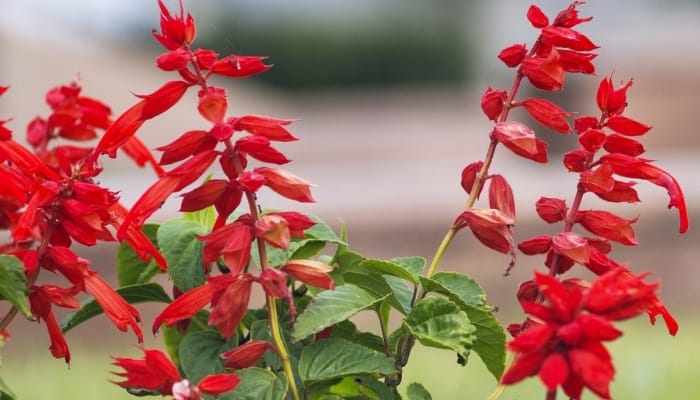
[(650, 365)]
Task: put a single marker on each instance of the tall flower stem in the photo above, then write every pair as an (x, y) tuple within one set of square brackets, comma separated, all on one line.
[(275, 331)]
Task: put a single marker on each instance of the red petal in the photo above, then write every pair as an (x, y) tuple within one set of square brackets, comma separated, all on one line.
[(469, 176), (204, 196), (598, 180), (162, 99), (571, 245), (247, 355), (213, 104), (524, 365), (592, 140), (616, 143), (311, 272), (554, 371), (114, 306), (187, 144), (271, 128), (595, 372), (219, 383), (537, 18), (490, 226), (513, 55), (274, 230), (521, 140), (566, 37), (286, 184), (548, 114), (544, 73), (149, 202), (608, 226), (184, 307), (573, 61), (121, 130), (536, 245), (551, 210), (501, 196), (231, 305), (235, 66), (174, 60), (627, 126)]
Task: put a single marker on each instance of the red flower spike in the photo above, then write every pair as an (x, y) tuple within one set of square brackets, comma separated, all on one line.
[(193, 169), (608, 226), (213, 104), (492, 102), (537, 18), (592, 140), (286, 184), (246, 355), (574, 61), (274, 230), (596, 373), (501, 196), (523, 366), (548, 114), (616, 143), (551, 210), (544, 73), (121, 130), (577, 160), (490, 226), (469, 177), (218, 383), (513, 55), (627, 126), (235, 66), (229, 307), (232, 242), (174, 60), (598, 180), (536, 245), (184, 307), (566, 37), (521, 140), (154, 373), (271, 128), (572, 246), (114, 306), (297, 222), (311, 272), (582, 124), (176, 31), (162, 99)]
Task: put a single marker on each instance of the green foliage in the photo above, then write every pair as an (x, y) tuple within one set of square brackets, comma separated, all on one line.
[(183, 251), (5, 392), (13, 286), (258, 384), (131, 269), (416, 391), (336, 358), (199, 353)]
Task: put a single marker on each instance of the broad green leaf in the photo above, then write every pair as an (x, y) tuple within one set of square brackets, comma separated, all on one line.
[(258, 384), (172, 337), (490, 343), (401, 291), (5, 392), (414, 265), (183, 251), (459, 288), (200, 351), (376, 285), (348, 261), (147, 292), (439, 322), (130, 268), (384, 267), (323, 232), (331, 307), (13, 285), (205, 217), (309, 249), (416, 391), (335, 358), (348, 331), (351, 388)]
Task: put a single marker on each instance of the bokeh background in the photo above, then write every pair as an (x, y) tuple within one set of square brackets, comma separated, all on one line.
[(387, 96)]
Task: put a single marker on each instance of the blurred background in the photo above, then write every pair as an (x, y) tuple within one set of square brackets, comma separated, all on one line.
[(387, 96)]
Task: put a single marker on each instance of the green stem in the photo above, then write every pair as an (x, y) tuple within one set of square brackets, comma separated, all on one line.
[(273, 315)]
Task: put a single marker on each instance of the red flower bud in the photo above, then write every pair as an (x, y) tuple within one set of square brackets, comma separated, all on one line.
[(286, 184), (537, 18), (592, 140), (627, 126), (490, 226), (548, 114), (212, 104), (536, 245), (544, 73), (513, 55), (492, 102), (311, 272), (616, 143), (469, 176), (247, 355), (576, 160), (598, 180), (551, 210), (501, 196), (521, 140), (608, 226), (572, 246), (174, 60)]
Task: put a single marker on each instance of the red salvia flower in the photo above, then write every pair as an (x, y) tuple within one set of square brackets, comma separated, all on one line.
[(513, 55), (548, 114), (501, 196), (545, 72), (520, 140), (246, 355), (176, 31), (311, 272), (286, 184), (122, 314), (551, 210), (469, 177), (537, 18), (490, 226)]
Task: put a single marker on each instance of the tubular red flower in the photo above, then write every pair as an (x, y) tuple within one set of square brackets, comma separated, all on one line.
[(213, 104), (236, 66), (246, 355), (271, 128), (286, 184), (176, 31), (232, 242), (501, 196), (490, 226), (114, 306), (520, 140), (230, 303), (548, 114), (274, 230), (311, 272), (184, 307), (154, 373)]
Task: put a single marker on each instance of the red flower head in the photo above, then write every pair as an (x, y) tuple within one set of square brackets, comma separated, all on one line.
[(176, 31)]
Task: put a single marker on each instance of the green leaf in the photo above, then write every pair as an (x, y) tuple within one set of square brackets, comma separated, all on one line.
[(490, 343), (384, 267), (132, 294), (130, 268), (331, 307), (348, 331), (323, 232), (172, 336), (5, 392), (414, 265), (440, 323), (205, 217), (335, 358), (416, 391), (459, 288), (200, 351), (376, 285), (183, 251), (401, 291), (310, 248), (258, 384), (351, 388), (13, 284)]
